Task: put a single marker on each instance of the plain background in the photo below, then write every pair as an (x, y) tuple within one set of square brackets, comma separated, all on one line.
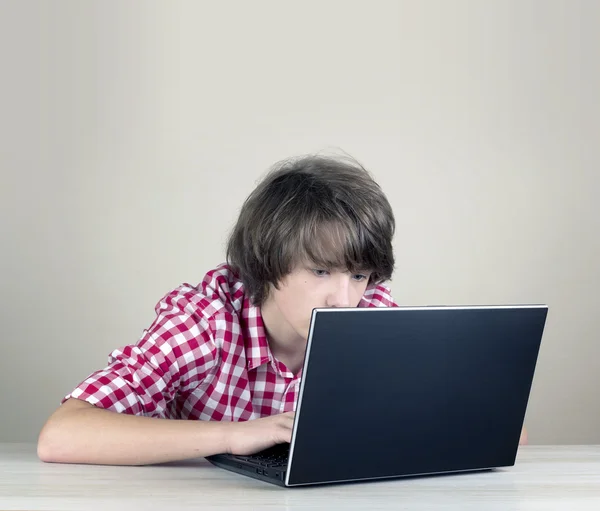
[(131, 132)]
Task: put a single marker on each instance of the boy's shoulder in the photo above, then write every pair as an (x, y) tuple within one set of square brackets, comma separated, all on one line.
[(377, 295), (223, 286), (219, 292)]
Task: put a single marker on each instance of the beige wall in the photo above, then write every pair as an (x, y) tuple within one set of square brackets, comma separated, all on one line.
[(130, 133)]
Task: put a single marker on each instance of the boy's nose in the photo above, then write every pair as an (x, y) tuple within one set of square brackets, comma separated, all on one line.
[(340, 296)]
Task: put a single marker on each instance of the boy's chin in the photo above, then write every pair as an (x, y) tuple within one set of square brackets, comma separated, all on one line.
[(303, 334)]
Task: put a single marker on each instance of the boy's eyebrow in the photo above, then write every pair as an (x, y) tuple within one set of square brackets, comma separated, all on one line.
[(355, 270)]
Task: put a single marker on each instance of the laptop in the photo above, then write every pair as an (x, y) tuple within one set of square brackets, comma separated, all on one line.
[(406, 391)]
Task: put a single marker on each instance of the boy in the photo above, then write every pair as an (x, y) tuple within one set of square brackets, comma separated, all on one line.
[(219, 368)]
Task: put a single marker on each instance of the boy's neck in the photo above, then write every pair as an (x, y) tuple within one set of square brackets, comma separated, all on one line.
[(285, 343)]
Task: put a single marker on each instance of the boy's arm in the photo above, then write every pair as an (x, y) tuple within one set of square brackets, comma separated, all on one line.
[(78, 432), (116, 416)]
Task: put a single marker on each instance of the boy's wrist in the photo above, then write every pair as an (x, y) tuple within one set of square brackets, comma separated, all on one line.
[(222, 434)]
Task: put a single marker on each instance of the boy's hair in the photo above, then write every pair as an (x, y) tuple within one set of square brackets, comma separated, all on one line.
[(325, 211)]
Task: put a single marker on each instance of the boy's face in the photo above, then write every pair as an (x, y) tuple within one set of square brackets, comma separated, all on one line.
[(307, 287)]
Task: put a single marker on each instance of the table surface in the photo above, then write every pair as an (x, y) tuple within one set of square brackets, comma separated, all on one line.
[(543, 478)]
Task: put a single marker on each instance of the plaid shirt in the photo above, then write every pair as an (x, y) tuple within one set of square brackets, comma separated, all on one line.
[(205, 357)]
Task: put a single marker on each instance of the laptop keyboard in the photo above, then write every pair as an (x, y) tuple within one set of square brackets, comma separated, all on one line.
[(274, 457)]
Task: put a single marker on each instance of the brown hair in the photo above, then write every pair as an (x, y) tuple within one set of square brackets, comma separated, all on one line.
[(326, 210)]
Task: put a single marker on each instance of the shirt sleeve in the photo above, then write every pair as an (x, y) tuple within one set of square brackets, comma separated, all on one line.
[(174, 355)]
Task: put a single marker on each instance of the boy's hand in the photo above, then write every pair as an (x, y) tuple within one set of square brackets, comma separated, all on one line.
[(524, 440), (252, 436)]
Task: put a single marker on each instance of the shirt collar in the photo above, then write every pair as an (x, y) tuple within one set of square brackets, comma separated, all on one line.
[(256, 345)]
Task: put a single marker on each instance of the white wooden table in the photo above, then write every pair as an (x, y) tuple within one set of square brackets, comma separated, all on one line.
[(565, 478)]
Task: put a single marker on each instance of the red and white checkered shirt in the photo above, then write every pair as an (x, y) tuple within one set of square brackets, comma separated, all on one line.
[(205, 357)]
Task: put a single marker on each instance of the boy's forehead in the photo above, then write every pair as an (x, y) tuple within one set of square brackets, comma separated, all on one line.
[(332, 246), (328, 243)]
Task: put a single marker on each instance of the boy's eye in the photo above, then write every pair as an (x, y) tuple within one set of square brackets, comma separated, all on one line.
[(359, 277), (320, 273)]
